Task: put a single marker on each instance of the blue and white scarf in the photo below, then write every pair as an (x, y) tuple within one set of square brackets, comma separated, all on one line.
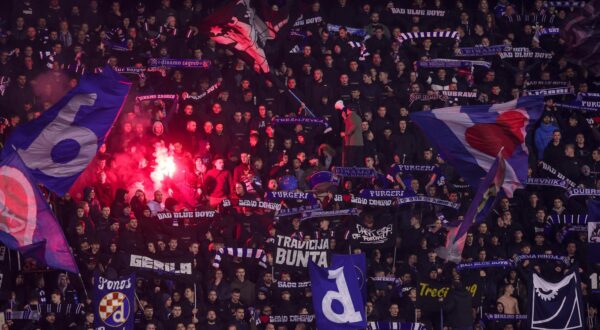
[(207, 92), (258, 254), (449, 63), (425, 35), (296, 210), (353, 31), (575, 107), (426, 199), (547, 182), (460, 94), (546, 257), (299, 120), (564, 4), (484, 264), (479, 51), (414, 168), (179, 63), (417, 12), (354, 172), (329, 214), (550, 91), (152, 97), (545, 31), (505, 317), (524, 52), (589, 192)]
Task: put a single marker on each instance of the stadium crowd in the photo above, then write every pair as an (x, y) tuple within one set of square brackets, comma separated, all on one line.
[(220, 133)]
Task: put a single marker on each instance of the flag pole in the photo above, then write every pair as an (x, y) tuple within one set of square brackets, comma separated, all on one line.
[(83, 286), (299, 100)]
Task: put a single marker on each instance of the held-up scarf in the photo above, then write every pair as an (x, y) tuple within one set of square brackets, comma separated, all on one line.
[(590, 104), (505, 317), (210, 90), (547, 182), (179, 63), (258, 254), (484, 264), (418, 12), (426, 97), (296, 210), (425, 35), (549, 257), (299, 120), (524, 53), (479, 51), (449, 63), (426, 199), (545, 31), (548, 168), (546, 83), (152, 97), (328, 214), (353, 31), (460, 94), (355, 172), (582, 192), (551, 91), (574, 107), (564, 4)]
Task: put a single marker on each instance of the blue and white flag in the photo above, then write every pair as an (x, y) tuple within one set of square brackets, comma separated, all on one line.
[(60, 144), (555, 306), (114, 303), (470, 137), (593, 228), (359, 262), (337, 299), (489, 191)]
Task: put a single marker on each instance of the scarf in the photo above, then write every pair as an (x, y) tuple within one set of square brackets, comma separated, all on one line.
[(210, 90), (424, 35), (551, 91), (418, 12), (449, 63), (479, 51), (179, 63), (258, 254)]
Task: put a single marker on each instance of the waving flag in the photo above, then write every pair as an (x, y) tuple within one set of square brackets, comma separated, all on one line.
[(60, 144), (581, 33), (489, 191), (26, 222), (236, 25), (557, 305), (470, 137)]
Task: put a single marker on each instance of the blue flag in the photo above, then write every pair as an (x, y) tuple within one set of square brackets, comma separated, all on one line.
[(113, 303), (359, 262), (593, 226), (555, 306), (26, 222), (470, 137), (60, 144), (336, 298)]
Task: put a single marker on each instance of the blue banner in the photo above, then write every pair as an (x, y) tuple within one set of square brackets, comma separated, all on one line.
[(337, 284), (60, 144), (114, 303)]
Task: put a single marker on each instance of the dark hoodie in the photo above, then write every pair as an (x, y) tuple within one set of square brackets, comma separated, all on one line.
[(457, 307), (119, 204)]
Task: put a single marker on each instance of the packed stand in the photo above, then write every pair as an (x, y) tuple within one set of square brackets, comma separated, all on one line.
[(215, 128)]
